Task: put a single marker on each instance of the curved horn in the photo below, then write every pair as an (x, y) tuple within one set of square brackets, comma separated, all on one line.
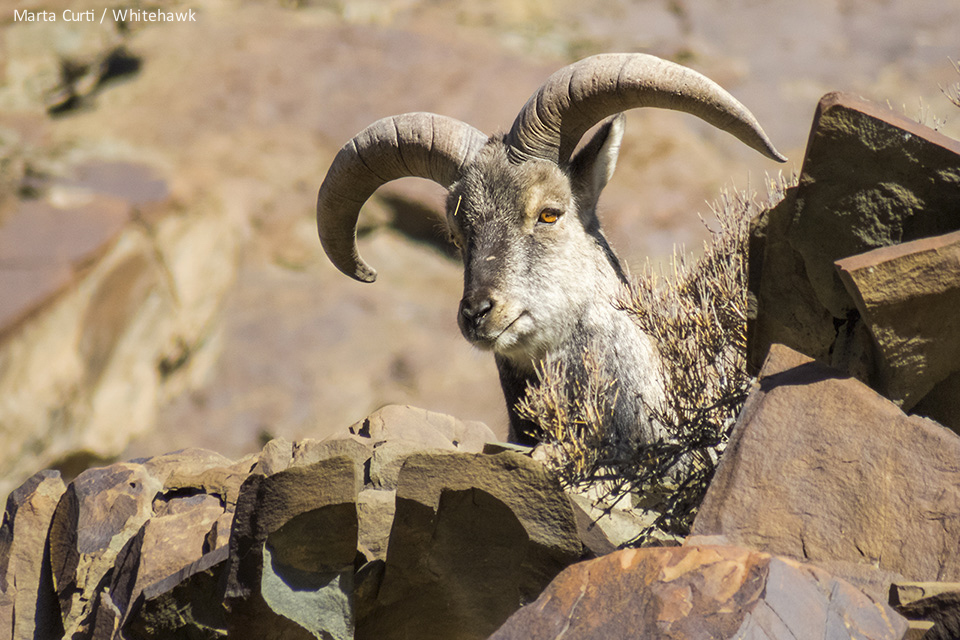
[(582, 94), (423, 145)]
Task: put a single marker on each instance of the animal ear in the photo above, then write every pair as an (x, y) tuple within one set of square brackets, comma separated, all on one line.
[(592, 167)]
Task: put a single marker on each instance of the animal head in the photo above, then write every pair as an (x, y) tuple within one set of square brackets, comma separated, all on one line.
[(522, 207)]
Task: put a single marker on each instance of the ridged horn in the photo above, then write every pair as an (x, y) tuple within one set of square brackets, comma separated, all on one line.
[(582, 94), (422, 145)]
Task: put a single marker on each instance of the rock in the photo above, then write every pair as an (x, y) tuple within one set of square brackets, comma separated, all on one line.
[(173, 538), (782, 305), (903, 189), (187, 604), (908, 295), (375, 511), (619, 524), (275, 456), (473, 537), (101, 510), (27, 602), (933, 607), (700, 592), (871, 178), (431, 430), (595, 541), (389, 456), (942, 403), (292, 549), (306, 452), (820, 467), (121, 528)]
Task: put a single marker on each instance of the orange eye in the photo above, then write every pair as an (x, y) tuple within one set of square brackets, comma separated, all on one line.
[(549, 216)]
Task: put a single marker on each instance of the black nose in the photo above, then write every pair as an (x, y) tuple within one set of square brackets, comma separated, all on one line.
[(473, 310)]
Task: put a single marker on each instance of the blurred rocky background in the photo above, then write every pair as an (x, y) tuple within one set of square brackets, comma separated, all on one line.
[(161, 284)]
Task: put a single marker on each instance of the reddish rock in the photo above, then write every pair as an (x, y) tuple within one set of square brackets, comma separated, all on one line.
[(822, 468), (187, 604), (102, 509), (121, 528), (700, 592)]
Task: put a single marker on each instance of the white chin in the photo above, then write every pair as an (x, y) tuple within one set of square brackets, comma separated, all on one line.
[(519, 344)]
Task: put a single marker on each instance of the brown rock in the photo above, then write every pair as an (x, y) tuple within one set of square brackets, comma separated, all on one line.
[(120, 528), (432, 430), (933, 607), (102, 509), (903, 188), (275, 456), (908, 296), (389, 456), (821, 468), (306, 452), (375, 511), (292, 548), (700, 592), (27, 603), (783, 307), (942, 403), (871, 178), (473, 537), (187, 604), (173, 538)]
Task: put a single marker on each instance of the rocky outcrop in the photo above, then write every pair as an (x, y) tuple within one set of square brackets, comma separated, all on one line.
[(856, 266), (474, 536), (24, 571), (822, 468), (119, 529), (296, 542), (907, 296), (700, 592)]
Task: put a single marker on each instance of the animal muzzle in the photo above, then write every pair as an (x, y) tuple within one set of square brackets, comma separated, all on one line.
[(477, 317)]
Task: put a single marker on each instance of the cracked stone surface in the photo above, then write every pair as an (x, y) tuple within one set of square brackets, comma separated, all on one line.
[(822, 468), (694, 592)]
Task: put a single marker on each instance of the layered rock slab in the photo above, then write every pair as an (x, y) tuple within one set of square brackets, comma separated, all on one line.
[(871, 179), (473, 538), (700, 592), (822, 468), (908, 296), (25, 582), (292, 548), (118, 529)]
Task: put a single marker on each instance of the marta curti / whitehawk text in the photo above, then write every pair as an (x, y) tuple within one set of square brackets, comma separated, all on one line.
[(117, 15)]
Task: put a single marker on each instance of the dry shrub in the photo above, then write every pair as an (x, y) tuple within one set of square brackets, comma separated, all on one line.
[(953, 91), (697, 314)]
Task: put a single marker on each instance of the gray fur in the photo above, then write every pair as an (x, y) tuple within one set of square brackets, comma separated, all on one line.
[(540, 280)]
